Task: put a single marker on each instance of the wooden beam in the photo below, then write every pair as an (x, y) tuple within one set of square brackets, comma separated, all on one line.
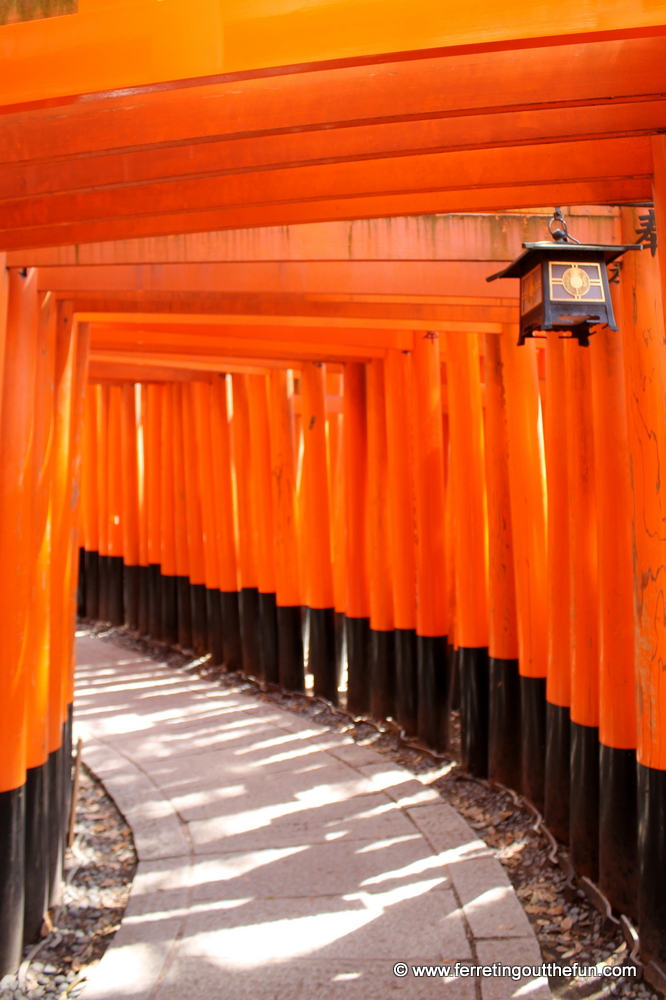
[(435, 238), (129, 170), (293, 311), (604, 190), (184, 368), (452, 172), (264, 341), (121, 369), (104, 47), (391, 295)]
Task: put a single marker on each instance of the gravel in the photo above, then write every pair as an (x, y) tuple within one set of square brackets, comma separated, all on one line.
[(97, 877)]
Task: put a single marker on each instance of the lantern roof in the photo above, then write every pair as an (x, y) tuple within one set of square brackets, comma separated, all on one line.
[(533, 252)]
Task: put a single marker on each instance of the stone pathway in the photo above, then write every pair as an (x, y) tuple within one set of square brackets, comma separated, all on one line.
[(279, 860)]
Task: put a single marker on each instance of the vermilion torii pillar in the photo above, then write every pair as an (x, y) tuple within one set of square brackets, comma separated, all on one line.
[(401, 521), (528, 515), (645, 359), (357, 601), (467, 478), (504, 736), (431, 611), (16, 526), (226, 533)]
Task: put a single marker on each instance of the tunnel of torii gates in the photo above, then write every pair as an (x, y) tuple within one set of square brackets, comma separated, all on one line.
[(223, 404)]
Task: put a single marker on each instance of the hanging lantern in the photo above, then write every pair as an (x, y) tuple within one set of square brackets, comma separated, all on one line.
[(564, 284)]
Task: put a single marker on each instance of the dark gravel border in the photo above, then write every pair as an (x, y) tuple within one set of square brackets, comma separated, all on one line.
[(97, 878)]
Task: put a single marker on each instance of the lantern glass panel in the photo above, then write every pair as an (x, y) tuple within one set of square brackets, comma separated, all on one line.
[(571, 281), (531, 291)]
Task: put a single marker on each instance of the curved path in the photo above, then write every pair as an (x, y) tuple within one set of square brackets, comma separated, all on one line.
[(279, 860)]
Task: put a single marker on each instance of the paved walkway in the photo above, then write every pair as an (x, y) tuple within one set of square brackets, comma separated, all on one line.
[(279, 860)]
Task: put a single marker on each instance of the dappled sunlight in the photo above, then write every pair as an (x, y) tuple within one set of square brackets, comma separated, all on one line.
[(279, 940), (127, 970), (262, 816), (200, 737), (490, 898), (321, 795), (303, 749), (415, 868), (379, 901), (389, 842), (277, 741), (533, 988), (195, 799), (128, 722), (283, 813), (241, 864), (465, 851), (155, 916), (135, 685), (121, 663), (244, 937), (260, 850)]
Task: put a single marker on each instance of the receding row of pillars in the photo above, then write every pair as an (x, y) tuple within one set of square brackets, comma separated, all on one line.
[(482, 522)]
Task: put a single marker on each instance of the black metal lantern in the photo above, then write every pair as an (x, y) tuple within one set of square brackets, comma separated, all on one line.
[(564, 284)]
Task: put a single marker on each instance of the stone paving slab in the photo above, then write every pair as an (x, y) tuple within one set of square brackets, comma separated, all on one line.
[(279, 860)]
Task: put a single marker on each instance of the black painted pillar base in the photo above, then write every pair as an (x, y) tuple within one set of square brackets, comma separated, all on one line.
[(533, 731), (305, 632), (68, 772), (406, 691), (231, 634), (584, 801), (199, 618), (36, 851), (12, 861), (169, 609), (504, 740), (116, 610), (340, 646), (144, 599), (358, 665), (322, 653), (131, 590), (432, 720), (454, 679), (558, 771), (249, 624), (92, 586), (268, 640), (81, 585), (56, 798), (154, 601), (618, 829), (652, 863), (68, 743), (103, 584), (382, 674), (291, 671), (474, 710), (184, 612), (214, 616)]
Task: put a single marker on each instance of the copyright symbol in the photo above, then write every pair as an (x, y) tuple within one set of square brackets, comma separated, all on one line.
[(400, 969)]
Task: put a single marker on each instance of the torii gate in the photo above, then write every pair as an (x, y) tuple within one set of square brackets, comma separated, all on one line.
[(184, 117)]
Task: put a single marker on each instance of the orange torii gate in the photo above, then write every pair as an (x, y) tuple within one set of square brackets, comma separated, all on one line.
[(439, 129), (125, 337), (209, 342), (232, 119)]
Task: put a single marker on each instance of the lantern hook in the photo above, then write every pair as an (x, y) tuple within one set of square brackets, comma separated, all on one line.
[(561, 233)]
